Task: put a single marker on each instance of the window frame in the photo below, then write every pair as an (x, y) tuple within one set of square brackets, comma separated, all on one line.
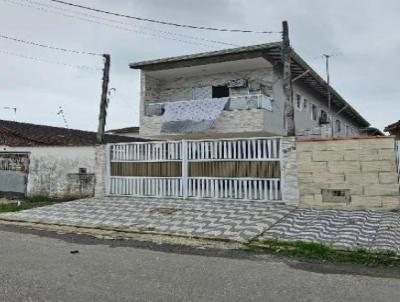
[(314, 114), (299, 103), (338, 126), (305, 104)]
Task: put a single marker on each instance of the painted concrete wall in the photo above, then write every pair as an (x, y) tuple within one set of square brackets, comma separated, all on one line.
[(365, 166), (53, 170), (303, 118)]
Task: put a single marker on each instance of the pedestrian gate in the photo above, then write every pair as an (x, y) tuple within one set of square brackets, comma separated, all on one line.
[(246, 169), (13, 173)]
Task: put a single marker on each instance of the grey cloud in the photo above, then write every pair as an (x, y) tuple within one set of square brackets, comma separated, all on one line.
[(363, 31)]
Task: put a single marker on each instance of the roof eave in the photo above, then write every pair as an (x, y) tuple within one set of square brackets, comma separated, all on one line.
[(335, 94), (203, 55)]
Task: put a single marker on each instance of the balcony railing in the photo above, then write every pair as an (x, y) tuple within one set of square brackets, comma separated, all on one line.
[(239, 102)]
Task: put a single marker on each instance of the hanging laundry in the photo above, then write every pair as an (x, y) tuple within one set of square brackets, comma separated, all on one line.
[(192, 116)]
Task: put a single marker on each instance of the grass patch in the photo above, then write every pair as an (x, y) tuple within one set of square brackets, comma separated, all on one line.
[(324, 253), (9, 208), (29, 203)]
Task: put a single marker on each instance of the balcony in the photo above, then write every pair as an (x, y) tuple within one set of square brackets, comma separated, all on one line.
[(240, 102)]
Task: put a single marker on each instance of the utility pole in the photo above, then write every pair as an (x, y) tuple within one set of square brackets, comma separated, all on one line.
[(104, 99), (287, 81), (330, 117)]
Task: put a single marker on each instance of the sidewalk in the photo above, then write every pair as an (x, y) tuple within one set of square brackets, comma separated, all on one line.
[(238, 221), (212, 219), (367, 229)]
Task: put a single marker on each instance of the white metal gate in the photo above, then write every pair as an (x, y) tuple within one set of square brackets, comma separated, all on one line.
[(259, 154)]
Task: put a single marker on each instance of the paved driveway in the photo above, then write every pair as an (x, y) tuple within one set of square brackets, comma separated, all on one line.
[(233, 220)]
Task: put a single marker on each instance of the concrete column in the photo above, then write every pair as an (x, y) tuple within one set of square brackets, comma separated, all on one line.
[(289, 171), (100, 171)]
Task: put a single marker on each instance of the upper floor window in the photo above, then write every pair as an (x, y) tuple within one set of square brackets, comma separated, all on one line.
[(338, 126), (298, 101), (323, 118), (314, 112), (305, 104)]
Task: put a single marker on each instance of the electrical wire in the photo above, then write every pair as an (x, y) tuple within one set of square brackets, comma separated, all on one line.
[(130, 24), (83, 67), (47, 46), (109, 25), (162, 22)]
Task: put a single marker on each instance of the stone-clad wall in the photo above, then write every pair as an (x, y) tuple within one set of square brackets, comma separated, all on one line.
[(366, 166), (228, 122), (235, 121)]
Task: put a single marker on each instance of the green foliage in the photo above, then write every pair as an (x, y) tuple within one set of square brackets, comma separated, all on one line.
[(9, 208)]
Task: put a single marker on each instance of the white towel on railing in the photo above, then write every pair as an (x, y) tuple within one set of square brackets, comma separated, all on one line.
[(191, 116)]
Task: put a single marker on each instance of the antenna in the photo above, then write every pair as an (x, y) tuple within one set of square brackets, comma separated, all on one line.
[(328, 80), (13, 109), (61, 112)]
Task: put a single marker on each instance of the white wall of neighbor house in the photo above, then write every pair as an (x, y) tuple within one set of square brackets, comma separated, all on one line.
[(53, 170)]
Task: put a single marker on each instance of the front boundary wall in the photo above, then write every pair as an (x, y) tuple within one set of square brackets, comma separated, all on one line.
[(365, 167)]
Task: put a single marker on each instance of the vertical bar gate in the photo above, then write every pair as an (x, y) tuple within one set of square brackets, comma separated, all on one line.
[(246, 169)]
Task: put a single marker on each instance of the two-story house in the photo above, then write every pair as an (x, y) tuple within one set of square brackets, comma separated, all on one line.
[(237, 93)]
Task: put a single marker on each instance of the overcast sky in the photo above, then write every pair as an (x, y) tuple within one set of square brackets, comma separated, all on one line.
[(364, 33)]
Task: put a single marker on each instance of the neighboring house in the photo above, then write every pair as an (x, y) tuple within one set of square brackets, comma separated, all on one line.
[(127, 131), (237, 92), (48, 161), (394, 129)]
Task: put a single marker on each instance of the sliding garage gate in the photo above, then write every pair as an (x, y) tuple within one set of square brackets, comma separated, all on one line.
[(245, 169)]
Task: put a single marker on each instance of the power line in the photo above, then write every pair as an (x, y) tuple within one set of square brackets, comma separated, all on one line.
[(130, 24), (47, 46), (109, 25), (163, 22), (83, 67)]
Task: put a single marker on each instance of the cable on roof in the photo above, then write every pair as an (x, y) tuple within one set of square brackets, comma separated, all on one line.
[(163, 22)]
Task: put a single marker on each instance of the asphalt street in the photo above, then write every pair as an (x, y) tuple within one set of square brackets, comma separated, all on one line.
[(45, 266)]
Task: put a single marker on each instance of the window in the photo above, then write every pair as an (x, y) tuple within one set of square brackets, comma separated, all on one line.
[(347, 130), (314, 112), (220, 91), (298, 101), (338, 126), (323, 118), (305, 104)]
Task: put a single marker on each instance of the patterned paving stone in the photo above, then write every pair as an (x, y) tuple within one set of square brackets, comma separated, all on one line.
[(232, 220), (374, 230)]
